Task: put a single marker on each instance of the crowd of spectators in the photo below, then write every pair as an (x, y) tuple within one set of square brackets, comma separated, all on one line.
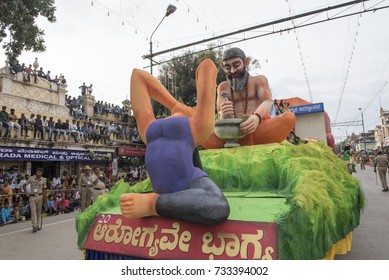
[(29, 73), (136, 174), (76, 109), (104, 108), (62, 196), (84, 130)]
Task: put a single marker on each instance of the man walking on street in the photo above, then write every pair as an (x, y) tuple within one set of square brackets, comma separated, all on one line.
[(87, 181), (35, 194), (381, 162)]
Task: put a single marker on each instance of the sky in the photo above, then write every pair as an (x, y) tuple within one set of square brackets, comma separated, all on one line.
[(343, 63)]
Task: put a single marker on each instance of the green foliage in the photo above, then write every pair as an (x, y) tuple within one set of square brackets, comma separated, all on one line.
[(324, 201), (18, 21), (178, 76)]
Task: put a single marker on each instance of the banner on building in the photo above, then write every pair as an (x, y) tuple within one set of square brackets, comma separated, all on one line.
[(31, 154), (131, 151), (307, 109)]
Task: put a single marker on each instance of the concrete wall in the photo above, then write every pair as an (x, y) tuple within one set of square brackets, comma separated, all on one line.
[(311, 126)]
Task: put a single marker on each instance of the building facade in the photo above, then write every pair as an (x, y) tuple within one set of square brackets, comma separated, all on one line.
[(48, 99)]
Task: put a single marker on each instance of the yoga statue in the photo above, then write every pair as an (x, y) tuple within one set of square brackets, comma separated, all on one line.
[(180, 189)]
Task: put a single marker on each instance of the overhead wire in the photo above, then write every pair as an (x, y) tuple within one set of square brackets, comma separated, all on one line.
[(220, 45), (300, 52), (346, 78)]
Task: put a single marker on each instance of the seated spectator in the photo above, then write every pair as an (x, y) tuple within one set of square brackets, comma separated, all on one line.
[(41, 73), (65, 204), (48, 76), (7, 193), (23, 122), (74, 131), (6, 217), (38, 126), (63, 81), (85, 132), (45, 124), (13, 121), (50, 206), (56, 80), (78, 112), (30, 122), (66, 127), (16, 68)]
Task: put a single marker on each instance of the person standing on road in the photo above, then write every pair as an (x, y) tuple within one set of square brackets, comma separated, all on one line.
[(99, 187), (362, 160), (87, 180), (381, 162), (35, 194)]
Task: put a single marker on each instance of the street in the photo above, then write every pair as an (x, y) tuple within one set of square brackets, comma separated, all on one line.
[(370, 237), (57, 240)]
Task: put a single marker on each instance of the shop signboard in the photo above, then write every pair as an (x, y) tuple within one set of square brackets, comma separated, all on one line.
[(31, 154), (307, 109), (131, 151)]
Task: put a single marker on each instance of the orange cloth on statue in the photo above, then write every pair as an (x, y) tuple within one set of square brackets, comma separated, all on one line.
[(271, 130)]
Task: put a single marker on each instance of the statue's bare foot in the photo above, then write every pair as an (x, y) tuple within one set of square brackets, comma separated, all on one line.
[(137, 205)]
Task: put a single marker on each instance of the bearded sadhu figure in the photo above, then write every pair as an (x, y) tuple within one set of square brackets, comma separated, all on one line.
[(248, 95)]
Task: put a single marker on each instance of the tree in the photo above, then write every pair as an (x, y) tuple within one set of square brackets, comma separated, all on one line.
[(178, 76), (17, 20)]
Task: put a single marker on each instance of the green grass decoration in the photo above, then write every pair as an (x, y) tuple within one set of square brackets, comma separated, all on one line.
[(323, 202)]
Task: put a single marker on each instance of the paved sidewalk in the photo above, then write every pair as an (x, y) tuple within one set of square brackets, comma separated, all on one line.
[(370, 238)]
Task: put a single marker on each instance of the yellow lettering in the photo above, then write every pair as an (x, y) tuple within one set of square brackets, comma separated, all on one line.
[(112, 234), (232, 247), (128, 235), (254, 240), (99, 232), (136, 234), (213, 250), (154, 250), (268, 252), (150, 233), (165, 243), (184, 237)]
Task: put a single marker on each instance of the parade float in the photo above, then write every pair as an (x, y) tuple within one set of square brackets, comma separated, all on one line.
[(285, 202)]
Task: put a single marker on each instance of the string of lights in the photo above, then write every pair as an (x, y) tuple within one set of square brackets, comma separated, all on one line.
[(124, 20), (198, 17), (138, 30), (346, 78)]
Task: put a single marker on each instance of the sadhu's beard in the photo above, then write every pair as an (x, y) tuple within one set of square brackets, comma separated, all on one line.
[(237, 80)]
